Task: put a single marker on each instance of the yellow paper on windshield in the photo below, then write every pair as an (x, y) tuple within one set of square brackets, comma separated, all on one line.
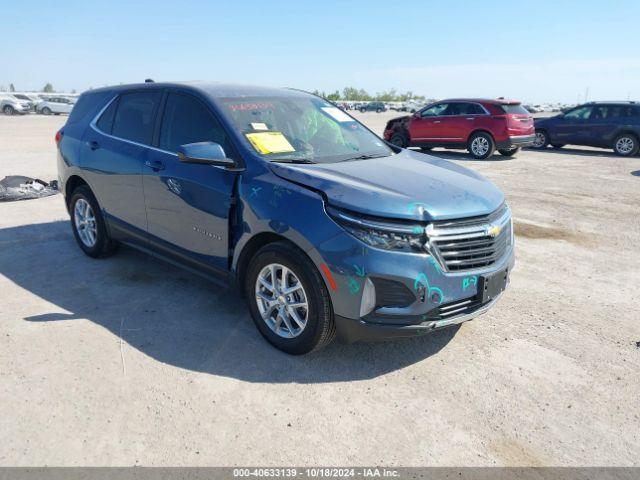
[(269, 142)]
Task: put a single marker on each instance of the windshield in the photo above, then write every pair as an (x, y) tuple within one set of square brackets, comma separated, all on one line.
[(301, 128)]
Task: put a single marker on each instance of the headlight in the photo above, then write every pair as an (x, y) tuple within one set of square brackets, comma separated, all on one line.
[(384, 234)]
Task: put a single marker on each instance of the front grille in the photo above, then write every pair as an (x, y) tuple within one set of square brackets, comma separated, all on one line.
[(390, 293), (471, 243)]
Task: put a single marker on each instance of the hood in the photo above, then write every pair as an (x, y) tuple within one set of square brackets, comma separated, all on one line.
[(401, 119), (407, 185)]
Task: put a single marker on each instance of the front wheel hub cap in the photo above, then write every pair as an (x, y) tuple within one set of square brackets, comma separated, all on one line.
[(282, 300)]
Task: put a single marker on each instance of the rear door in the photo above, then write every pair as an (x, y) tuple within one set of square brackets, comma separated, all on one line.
[(427, 124), (460, 120), (572, 126), (602, 125), (187, 204), (113, 151)]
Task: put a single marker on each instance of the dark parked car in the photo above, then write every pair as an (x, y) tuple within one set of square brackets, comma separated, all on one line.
[(373, 107), (324, 227), (613, 125), (478, 125)]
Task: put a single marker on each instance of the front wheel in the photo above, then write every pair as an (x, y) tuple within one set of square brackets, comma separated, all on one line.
[(399, 140), (541, 140), (481, 145), (8, 110), (509, 153), (88, 225), (288, 300), (626, 145), (46, 111)]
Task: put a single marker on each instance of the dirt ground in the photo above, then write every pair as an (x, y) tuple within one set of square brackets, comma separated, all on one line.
[(130, 361)]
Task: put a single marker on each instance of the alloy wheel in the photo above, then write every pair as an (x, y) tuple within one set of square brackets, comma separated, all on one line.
[(625, 145), (540, 140), (282, 300), (480, 146), (85, 223)]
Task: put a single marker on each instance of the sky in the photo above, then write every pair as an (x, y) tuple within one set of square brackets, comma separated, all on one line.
[(542, 51)]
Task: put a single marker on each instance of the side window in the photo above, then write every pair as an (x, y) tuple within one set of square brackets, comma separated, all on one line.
[(580, 113), (462, 108), (601, 112), (434, 110), (475, 109), (105, 122), (135, 116), (187, 120)]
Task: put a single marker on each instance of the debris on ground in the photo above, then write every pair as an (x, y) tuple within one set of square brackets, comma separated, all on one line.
[(16, 187)]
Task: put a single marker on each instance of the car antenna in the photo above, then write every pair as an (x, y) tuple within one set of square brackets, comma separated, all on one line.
[(148, 80)]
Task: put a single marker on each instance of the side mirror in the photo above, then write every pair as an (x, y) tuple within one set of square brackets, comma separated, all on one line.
[(204, 153)]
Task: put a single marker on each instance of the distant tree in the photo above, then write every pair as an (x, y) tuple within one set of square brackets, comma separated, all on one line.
[(48, 88), (334, 96), (12, 88)]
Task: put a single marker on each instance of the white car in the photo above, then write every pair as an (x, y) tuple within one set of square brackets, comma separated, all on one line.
[(11, 105), (55, 105)]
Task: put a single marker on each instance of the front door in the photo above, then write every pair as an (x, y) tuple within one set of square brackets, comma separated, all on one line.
[(571, 127), (427, 126), (188, 204)]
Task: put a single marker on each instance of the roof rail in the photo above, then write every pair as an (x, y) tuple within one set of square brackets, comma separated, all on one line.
[(148, 80)]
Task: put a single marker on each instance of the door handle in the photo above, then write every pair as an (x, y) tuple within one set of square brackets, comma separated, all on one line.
[(155, 165), (437, 121), (470, 118), (93, 145)]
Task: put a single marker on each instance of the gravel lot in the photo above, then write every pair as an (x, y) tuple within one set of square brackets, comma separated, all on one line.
[(129, 361)]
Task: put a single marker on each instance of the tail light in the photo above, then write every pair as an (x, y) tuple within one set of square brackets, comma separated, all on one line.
[(58, 137)]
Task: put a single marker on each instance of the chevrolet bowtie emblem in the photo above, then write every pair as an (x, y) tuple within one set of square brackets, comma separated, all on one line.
[(494, 230)]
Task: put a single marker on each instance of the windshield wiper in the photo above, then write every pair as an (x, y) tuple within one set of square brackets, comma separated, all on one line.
[(364, 157), (292, 160)]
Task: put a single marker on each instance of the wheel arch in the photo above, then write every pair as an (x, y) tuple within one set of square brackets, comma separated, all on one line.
[(626, 131), (73, 182), (481, 130), (255, 243)]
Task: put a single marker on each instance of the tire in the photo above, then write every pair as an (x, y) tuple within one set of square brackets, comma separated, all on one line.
[(481, 145), (102, 246), (509, 153), (399, 139), (362, 110), (426, 149), (558, 145), (626, 145), (46, 111), (8, 110), (378, 110), (542, 140), (319, 328)]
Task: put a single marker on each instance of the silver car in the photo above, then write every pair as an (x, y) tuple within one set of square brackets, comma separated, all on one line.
[(11, 105), (55, 105)]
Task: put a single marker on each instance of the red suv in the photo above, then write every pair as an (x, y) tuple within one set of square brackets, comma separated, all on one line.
[(480, 126)]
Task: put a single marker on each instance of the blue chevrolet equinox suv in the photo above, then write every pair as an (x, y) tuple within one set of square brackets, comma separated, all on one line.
[(325, 228)]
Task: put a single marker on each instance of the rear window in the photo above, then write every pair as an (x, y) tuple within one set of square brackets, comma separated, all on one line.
[(514, 109), (135, 116), (86, 107)]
